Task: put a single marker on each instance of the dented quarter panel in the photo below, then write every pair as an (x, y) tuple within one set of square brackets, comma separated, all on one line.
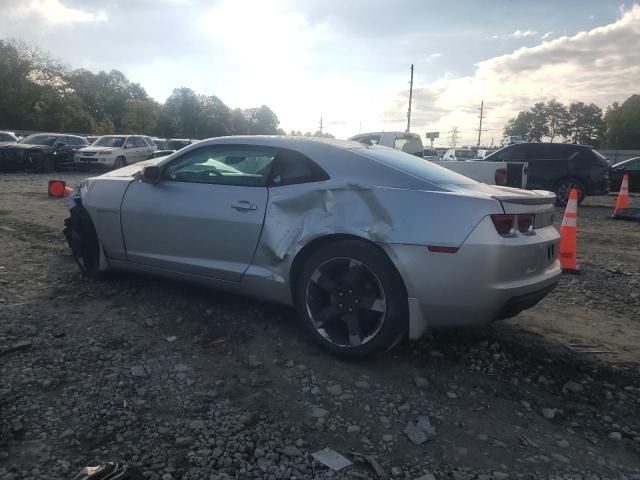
[(102, 197)]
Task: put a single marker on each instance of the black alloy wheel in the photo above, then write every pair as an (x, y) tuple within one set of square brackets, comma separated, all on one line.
[(352, 299)]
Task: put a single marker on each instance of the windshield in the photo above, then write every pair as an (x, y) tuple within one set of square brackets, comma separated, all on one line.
[(415, 166), (114, 142), (48, 140), (5, 137), (466, 154)]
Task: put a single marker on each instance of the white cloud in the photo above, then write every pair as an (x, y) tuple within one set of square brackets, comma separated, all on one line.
[(523, 33), (55, 12), (596, 66), (546, 35)]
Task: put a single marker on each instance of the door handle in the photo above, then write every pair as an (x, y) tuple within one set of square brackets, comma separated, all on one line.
[(244, 205)]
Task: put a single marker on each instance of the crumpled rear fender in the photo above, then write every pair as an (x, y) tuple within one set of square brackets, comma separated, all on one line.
[(299, 214)]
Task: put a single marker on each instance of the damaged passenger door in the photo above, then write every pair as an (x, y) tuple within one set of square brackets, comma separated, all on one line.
[(205, 214)]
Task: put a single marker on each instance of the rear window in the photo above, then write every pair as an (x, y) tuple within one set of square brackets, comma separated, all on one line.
[(413, 165), (408, 144)]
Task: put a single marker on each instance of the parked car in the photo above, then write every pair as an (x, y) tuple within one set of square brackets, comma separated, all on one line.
[(361, 239), (512, 139), (8, 138), (166, 146), (430, 154), (406, 142), (116, 151), (42, 152), (629, 167), (460, 154), (559, 167)]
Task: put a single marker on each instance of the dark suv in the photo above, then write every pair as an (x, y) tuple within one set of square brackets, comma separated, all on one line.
[(559, 167)]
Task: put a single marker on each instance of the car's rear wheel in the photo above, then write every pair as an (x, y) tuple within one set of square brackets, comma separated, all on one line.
[(120, 162), (83, 240), (352, 299), (564, 187)]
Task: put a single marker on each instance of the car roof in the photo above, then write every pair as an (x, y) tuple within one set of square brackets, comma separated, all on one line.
[(280, 141), (624, 162)]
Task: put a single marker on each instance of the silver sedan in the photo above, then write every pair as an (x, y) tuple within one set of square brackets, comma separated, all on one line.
[(370, 244)]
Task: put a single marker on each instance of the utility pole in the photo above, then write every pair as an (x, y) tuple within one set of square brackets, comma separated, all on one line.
[(320, 123), (481, 114), (454, 137), (410, 98)]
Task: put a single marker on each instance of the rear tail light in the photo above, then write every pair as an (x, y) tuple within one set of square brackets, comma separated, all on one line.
[(525, 223), (507, 225), (501, 177)]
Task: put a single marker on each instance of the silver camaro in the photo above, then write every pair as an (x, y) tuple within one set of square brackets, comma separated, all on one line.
[(368, 243)]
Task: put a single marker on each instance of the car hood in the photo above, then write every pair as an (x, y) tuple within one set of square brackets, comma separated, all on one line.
[(130, 171), (23, 147), (96, 149)]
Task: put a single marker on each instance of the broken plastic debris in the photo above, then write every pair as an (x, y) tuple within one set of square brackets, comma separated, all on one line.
[(216, 341), (331, 459)]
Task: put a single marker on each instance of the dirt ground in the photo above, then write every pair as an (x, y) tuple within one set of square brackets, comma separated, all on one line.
[(183, 382)]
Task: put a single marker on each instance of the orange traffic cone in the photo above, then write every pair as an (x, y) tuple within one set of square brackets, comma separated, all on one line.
[(59, 189), (568, 251), (623, 197)]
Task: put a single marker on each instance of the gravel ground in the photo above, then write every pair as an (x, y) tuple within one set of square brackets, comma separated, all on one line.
[(182, 382)]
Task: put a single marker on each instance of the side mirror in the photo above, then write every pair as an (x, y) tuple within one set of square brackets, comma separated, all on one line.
[(151, 174)]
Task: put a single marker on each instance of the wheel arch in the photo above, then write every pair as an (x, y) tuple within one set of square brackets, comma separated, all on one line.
[(314, 245)]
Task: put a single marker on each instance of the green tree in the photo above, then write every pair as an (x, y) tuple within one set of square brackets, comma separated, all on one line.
[(623, 124), (520, 125), (586, 124), (557, 119)]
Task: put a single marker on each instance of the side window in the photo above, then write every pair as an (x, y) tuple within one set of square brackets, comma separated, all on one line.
[(130, 143), (139, 141), (370, 139), (244, 166), (291, 167), (62, 141)]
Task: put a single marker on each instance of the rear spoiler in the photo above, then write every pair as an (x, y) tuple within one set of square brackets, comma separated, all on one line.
[(542, 198)]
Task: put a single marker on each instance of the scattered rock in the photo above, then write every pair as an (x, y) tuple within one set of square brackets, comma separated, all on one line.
[(420, 382), (138, 371), (574, 387), (334, 389), (184, 441), (615, 436), (548, 413), (318, 412)]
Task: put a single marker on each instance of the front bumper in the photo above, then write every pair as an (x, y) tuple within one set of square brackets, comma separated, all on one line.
[(489, 278)]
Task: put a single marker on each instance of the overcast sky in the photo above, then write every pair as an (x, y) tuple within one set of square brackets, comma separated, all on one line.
[(348, 60)]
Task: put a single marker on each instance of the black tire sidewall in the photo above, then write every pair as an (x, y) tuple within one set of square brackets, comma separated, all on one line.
[(120, 163), (581, 192), (83, 229), (395, 324)]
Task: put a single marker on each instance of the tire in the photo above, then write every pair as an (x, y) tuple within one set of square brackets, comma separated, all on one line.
[(120, 162), (84, 243), (563, 189), (352, 299)]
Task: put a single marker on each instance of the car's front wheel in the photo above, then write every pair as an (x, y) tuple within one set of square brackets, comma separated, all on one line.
[(352, 299), (83, 240), (120, 162)]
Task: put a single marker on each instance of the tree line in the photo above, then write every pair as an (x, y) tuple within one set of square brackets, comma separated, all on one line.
[(618, 127), (40, 93)]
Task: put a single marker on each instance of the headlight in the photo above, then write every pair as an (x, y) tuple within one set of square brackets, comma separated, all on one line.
[(105, 153)]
